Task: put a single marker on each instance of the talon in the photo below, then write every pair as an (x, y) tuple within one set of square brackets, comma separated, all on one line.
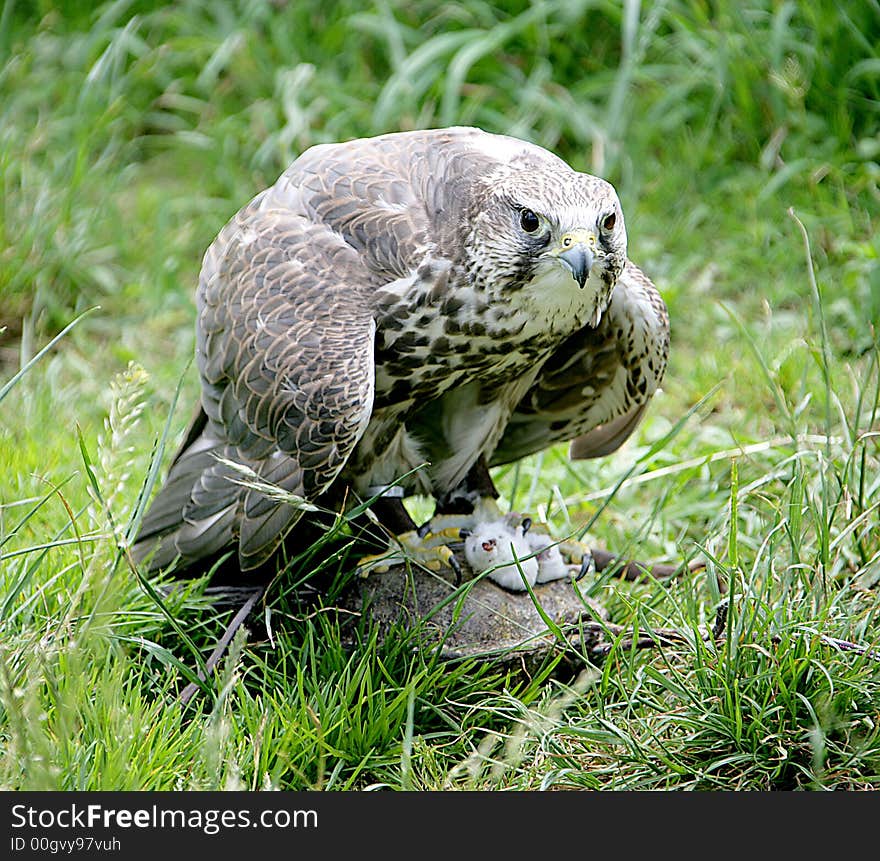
[(587, 566), (456, 569), (424, 529), (464, 532), (526, 525), (446, 559)]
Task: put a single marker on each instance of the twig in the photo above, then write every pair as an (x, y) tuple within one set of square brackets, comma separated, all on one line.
[(633, 570), (223, 644), (600, 648), (847, 646)]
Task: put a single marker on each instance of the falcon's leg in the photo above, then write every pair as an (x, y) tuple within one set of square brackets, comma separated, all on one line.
[(476, 493), (392, 514)]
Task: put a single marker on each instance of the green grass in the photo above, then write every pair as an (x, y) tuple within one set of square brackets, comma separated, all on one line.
[(130, 134)]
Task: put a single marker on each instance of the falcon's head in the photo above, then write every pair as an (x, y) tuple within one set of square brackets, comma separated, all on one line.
[(549, 241)]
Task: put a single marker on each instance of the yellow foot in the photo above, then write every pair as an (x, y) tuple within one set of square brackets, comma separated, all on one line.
[(424, 547)]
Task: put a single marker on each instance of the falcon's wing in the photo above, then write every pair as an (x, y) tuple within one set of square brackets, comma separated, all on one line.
[(285, 352), (594, 388)]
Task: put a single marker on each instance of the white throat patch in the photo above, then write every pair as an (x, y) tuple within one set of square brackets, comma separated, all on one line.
[(554, 302)]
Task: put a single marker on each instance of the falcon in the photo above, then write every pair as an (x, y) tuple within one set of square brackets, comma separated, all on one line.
[(397, 315)]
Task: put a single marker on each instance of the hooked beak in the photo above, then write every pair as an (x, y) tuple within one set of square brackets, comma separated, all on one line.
[(575, 250), (578, 258)]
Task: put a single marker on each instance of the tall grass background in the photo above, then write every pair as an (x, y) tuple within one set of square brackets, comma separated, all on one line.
[(744, 139)]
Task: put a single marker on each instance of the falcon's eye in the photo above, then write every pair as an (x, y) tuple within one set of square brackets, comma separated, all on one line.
[(609, 221), (529, 221)]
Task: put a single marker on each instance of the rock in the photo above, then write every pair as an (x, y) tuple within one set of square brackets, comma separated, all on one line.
[(477, 619)]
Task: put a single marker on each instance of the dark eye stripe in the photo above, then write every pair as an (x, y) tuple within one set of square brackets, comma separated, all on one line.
[(541, 241)]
